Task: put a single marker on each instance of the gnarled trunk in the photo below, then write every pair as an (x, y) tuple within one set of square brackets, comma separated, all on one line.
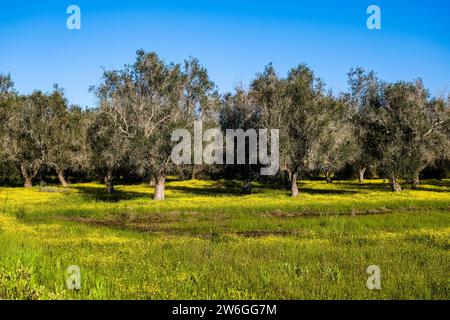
[(28, 182), (415, 182), (61, 178), (160, 186), (109, 182), (361, 172), (28, 179), (294, 187), (395, 185)]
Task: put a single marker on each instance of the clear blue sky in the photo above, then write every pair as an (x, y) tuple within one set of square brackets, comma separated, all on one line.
[(233, 39)]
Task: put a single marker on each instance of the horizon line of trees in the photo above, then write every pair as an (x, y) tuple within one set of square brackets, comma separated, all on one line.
[(392, 130)]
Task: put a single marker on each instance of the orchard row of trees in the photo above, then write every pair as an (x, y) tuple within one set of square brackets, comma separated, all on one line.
[(395, 130)]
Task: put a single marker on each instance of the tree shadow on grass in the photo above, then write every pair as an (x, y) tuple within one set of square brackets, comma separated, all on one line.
[(420, 188), (385, 187), (100, 194), (209, 191), (366, 186), (326, 191), (437, 183)]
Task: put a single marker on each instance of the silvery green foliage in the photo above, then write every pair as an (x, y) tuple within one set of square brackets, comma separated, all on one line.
[(412, 132), (144, 103), (299, 107)]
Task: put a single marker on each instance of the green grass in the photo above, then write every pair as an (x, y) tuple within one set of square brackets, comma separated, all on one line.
[(206, 241)]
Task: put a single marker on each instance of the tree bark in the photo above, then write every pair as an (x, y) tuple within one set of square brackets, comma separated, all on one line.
[(395, 185), (194, 173), (361, 172), (415, 183), (328, 177), (28, 180), (294, 187), (159, 187), (61, 178), (109, 182)]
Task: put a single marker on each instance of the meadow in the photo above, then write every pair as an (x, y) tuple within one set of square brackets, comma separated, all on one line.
[(207, 241)]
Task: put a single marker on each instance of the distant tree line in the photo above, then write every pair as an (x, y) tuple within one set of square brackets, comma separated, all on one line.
[(395, 131)]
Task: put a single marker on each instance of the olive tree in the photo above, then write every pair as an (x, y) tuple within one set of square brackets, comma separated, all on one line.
[(299, 108), (108, 146), (412, 131), (427, 138), (337, 145), (147, 101), (64, 136), (366, 95), (8, 100), (268, 91), (26, 130), (199, 102), (239, 112)]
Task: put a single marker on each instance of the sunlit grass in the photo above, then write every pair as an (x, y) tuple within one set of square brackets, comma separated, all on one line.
[(207, 241), (215, 197)]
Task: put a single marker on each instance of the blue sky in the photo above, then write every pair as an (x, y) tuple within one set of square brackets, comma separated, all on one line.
[(233, 39)]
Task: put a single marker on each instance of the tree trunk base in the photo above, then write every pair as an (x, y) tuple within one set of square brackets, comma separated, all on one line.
[(395, 186), (328, 177), (109, 182), (27, 176), (294, 187), (361, 173), (415, 183), (62, 179), (159, 187)]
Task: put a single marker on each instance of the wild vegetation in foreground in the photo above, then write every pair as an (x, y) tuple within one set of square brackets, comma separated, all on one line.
[(207, 241)]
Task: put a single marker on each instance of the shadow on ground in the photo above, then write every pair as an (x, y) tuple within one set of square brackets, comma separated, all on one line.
[(100, 194), (227, 189)]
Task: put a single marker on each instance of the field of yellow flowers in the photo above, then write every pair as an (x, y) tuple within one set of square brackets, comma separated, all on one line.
[(207, 241)]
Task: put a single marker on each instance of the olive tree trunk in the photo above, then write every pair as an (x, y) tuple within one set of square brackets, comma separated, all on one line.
[(109, 182), (61, 178), (159, 187), (28, 182), (194, 172), (294, 187), (27, 178), (328, 177), (415, 183), (395, 185), (361, 172)]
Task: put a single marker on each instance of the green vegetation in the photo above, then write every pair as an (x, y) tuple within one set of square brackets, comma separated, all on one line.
[(208, 241)]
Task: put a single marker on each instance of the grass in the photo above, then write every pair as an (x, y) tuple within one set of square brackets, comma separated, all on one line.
[(206, 241)]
